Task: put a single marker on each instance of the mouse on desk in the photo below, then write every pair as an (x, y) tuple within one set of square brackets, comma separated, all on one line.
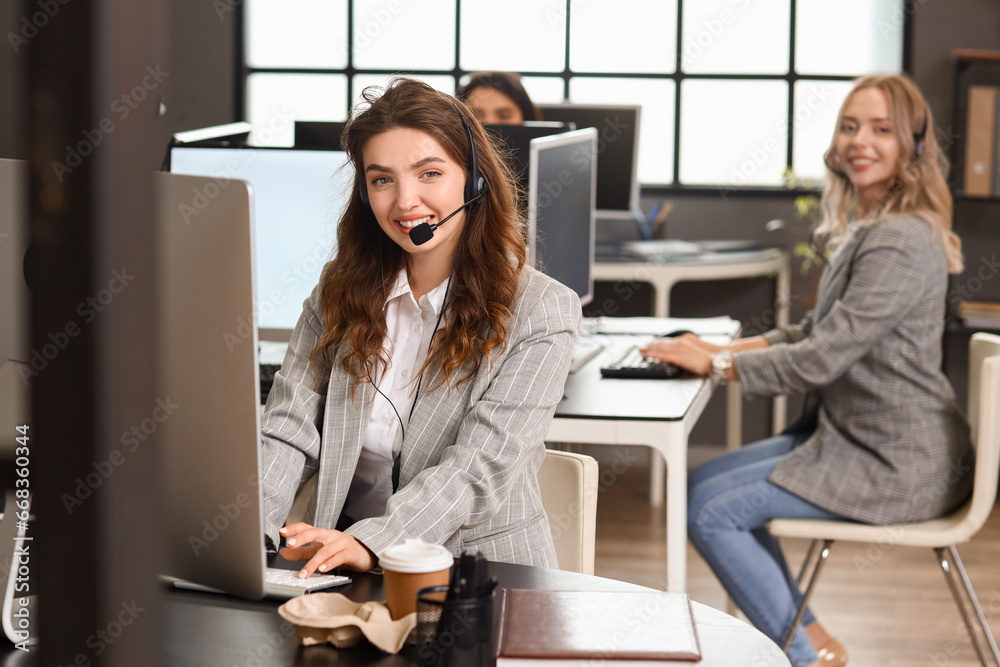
[(675, 334)]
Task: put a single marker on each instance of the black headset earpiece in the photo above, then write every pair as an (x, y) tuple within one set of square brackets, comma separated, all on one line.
[(475, 184), (363, 191), (918, 141)]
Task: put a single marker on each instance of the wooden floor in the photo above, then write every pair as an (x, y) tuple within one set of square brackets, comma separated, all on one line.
[(897, 613)]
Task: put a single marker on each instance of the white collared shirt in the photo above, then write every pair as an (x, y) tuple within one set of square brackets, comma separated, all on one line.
[(409, 326)]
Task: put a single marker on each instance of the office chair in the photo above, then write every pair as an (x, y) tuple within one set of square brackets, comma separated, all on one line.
[(568, 483), (939, 534)]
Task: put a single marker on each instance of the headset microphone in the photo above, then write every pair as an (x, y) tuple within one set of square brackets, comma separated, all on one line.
[(424, 232)]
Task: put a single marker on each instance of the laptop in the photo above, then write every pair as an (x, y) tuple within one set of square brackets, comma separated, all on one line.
[(208, 396)]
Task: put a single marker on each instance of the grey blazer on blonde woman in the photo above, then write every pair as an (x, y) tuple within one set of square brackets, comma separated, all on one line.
[(890, 443), (471, 452)]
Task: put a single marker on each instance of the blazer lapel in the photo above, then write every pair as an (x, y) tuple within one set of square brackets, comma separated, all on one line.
[(435, 421), (837, 272)]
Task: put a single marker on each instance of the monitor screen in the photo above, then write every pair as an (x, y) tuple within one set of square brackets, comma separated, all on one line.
[(561, 201), (517, 139), (617, 148), (299, 196), (318, 134)]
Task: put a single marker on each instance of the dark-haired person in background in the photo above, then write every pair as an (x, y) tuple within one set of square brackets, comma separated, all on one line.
[(422, 376), (498, 98)]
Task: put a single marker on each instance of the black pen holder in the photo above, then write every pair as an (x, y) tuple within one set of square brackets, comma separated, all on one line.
[(454, 632)]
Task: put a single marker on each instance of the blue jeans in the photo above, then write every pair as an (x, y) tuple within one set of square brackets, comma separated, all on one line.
[(730, 502)]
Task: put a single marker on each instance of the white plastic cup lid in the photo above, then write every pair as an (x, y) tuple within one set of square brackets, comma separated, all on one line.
[(415, 555)]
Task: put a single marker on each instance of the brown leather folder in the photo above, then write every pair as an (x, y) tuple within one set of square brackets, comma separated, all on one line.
[(581, 627)]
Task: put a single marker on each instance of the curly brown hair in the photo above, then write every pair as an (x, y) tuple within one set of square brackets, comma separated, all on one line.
[(488, 265)]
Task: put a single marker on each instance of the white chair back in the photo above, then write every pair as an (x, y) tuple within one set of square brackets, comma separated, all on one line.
[(984, 418), (568, 483)]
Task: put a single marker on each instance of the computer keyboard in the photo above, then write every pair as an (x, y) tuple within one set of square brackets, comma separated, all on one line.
[(634, 366), (280, 580)]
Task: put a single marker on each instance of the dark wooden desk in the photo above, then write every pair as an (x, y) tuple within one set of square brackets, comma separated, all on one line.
[(205, 630)]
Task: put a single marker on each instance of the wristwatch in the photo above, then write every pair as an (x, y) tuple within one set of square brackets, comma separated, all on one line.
[(722, 361)]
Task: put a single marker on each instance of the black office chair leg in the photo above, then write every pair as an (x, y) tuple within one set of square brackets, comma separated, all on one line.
[(805, 561), (950, 569), (820, 562)]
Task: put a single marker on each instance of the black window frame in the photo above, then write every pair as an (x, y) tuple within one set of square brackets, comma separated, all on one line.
[(677, 76)]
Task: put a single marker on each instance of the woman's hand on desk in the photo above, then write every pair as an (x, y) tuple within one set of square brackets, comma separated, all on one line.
[(688, 352), (325, 549), (695, 355)]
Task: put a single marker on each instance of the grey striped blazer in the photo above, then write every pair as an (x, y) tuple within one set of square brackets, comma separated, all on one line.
[(471, 452), (890, 443)]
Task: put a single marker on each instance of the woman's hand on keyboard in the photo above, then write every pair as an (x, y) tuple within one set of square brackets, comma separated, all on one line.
[(687, 351), (325, 549)]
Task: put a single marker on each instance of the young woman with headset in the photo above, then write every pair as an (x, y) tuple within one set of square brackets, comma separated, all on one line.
[(422, 375), (881, 439)]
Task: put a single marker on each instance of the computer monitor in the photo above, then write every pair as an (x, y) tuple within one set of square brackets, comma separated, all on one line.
[(228, 135), (517, 140), (299, 196), (562, 175), (318, 134), (617, 150)]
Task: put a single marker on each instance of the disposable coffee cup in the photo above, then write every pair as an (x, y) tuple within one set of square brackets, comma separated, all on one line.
[(407, 568)]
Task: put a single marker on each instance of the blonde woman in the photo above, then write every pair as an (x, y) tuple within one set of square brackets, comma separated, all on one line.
[(881, 439)]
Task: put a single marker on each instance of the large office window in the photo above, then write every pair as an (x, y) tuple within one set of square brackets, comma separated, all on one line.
[(732, 91)]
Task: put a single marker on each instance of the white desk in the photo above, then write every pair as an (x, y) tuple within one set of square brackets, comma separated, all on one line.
[(663, 275), (654, 413)]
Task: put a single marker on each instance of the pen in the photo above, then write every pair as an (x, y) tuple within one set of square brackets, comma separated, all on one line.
[(652, 214)]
